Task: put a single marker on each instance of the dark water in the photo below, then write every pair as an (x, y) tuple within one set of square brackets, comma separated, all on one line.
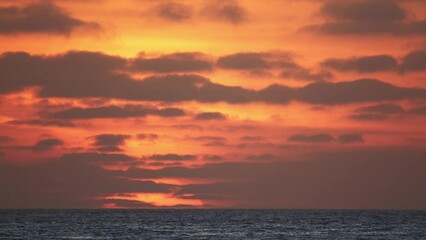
[(211, 224)]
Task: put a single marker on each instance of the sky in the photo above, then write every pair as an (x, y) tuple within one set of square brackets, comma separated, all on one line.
[(310, 104)]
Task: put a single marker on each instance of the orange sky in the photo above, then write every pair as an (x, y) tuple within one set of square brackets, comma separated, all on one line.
[(187, 103)]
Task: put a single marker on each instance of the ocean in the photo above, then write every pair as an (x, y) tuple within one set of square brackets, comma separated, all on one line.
[(211, 224)]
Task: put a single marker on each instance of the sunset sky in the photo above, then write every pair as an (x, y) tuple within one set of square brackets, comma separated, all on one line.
[(213, 104)]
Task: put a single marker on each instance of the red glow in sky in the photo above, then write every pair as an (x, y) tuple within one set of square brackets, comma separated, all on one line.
[(204, 104)]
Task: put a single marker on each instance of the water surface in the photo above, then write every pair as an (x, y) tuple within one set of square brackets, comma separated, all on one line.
[(211, 224)]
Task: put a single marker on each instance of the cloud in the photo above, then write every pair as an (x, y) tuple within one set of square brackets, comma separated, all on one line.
[(262, 62), (43, 123), (210, 116), (414, 61), (210, 138), (125, 111), (43, 145), (364, 10), (366, 64), (94, 157), (350, 138), (147, 136), (226, 11), (93, 75), (212, 158), (4, 139), (40, 17), (169, 63), (251, 138), (419, 110), (392, 178), (73, 74), (362, 17), (109, 142), (253, 145), (379, 111), (171, 157), (302, 73), (277, 94), (247, 61), (47, 144), (368, 116), (173, 11), (188, 127), (385, 108), (71, 181), (211, 141), (317, 138), (361, 90), (263, 157)]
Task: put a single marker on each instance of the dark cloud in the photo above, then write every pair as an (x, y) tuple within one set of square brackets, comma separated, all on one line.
[(188, 127), (233, 128), (362, 90), (263, 157), (94, 157), (210, 116), (317, 138), (392, 178), (252, 145), (40, 17), (276, 94), (419, 110), (74, 74), (41, 146), (125, 111), (43, 123), (147, 136), (47, 144), (364, 10), (109, 142), (87, 74), (72, 181), (365, 64), (415, 28), (227, 11), (245, 61), (4, 139), (414, 61), (306, 74), (384, 108), (379, 111), (368, 116), (350, 138), (260, 62), (251, 138), (256, 61), (367, 17), (212, 157), (176, 62), (110, 139), (171, 157), (109, 149), (173, 11), (215, 144), (212, 141), (210, 138)]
